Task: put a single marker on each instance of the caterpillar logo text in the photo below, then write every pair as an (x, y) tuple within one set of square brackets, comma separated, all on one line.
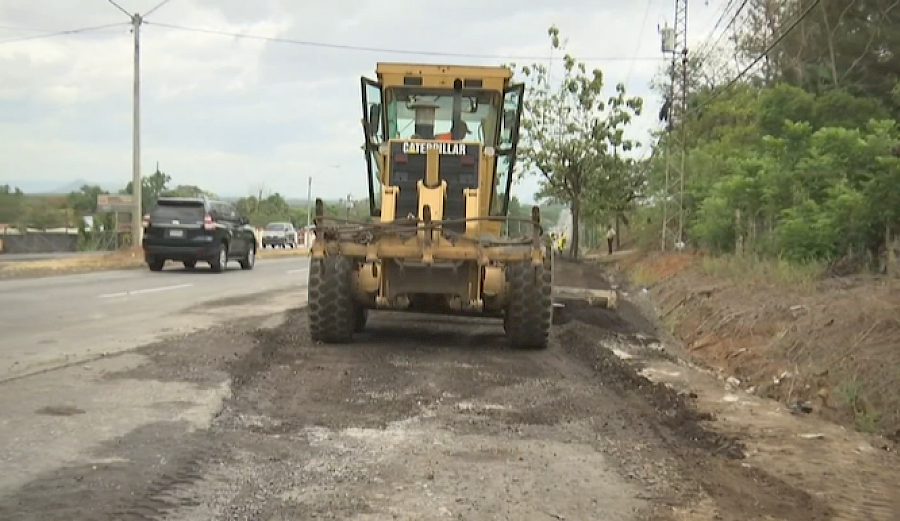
[(445, 149)]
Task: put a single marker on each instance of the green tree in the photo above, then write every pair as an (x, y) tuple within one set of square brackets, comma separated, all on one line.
[(569, 133), (262, 211), (84, 201), (187, 191), (42, 213), (152, 188), (12, 201)]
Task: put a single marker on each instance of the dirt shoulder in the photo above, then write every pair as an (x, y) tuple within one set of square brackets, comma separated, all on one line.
[(830, 345), (803, 374)]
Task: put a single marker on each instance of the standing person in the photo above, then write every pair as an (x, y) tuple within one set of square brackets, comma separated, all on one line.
[(610, 237)]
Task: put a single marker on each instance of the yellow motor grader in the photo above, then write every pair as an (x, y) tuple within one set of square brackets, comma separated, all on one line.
[(440, 147)]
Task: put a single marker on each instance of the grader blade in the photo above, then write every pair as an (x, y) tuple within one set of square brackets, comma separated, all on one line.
[(608, 299)]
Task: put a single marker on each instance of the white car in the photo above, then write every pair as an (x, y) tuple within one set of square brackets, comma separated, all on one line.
[(279, 234)]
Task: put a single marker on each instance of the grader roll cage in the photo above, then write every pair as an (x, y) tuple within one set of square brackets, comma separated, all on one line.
[(440, 148)]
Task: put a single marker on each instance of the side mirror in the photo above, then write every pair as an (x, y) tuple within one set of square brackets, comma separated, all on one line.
[(374, 119)]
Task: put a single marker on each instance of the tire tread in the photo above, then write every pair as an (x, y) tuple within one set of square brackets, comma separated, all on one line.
[(529, 313), (332, 317)]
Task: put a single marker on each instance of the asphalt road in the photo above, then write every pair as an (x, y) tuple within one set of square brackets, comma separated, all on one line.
[(54, 321)]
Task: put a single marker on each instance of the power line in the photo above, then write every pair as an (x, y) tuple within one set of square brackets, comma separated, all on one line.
[(737, 13), (705, 43), (151, 11), (62, 33), (347, 47), (640, 38), (765, 53), (24, 29)]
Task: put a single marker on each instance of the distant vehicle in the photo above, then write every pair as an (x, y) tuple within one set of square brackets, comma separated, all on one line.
[(280, 234), (192, 229)]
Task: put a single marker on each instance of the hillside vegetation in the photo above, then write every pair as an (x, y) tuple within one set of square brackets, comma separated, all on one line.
[(791, 208), (798, 159)]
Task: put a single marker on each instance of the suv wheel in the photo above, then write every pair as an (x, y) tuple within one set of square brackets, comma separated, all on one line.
[(249, 259), (156, 264), (219, 264), (190, 264)]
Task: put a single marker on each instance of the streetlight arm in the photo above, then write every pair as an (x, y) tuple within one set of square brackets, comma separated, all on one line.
[(148, 13), (120, 8)]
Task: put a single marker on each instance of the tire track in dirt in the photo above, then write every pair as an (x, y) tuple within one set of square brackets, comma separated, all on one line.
[(371, 408)]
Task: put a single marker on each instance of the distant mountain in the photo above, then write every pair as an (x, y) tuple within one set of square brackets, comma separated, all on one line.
[(74, 186)]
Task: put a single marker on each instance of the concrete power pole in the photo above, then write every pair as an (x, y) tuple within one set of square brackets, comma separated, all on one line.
[(137, 226), (137, 229), (674, 42), (309, 203), (307, 234)]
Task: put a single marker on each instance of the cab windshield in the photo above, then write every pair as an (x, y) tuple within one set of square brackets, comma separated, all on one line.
[(479, 112)]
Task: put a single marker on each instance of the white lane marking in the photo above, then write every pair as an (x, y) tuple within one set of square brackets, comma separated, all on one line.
[(298, 271), (142, 291)]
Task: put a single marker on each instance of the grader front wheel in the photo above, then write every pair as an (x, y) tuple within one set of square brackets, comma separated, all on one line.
[(332, 313), (529, 313)]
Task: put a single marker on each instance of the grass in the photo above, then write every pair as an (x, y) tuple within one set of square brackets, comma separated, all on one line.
[(641, 278), (777, 272), (865, 417)]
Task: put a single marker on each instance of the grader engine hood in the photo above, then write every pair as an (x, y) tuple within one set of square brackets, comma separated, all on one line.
[(457, 166)]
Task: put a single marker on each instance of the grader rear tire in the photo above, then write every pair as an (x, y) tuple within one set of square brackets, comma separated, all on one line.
[(530, 310), (332, 314)]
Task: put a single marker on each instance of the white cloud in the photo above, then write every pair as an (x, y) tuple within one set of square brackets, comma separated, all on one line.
[(231, 114)]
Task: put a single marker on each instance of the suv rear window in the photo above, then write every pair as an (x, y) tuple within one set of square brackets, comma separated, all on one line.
[(188, 213), (276, 227)]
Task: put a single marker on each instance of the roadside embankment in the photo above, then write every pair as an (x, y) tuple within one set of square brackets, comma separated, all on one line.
[(825, 346)]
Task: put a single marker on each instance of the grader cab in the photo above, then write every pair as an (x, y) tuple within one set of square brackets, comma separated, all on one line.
[(440, 147)]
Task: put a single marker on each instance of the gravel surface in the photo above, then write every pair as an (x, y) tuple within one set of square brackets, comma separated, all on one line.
[(421, 418)]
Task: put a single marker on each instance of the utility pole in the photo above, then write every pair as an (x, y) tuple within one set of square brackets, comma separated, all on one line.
[(349, 205), (308, 204), (674, 42), (137, 229)]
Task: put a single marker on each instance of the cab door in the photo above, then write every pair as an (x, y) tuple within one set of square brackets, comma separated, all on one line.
[(507, 144), (374, 131)]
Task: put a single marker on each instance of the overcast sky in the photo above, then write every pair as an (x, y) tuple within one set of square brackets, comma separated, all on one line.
[(236, 115)]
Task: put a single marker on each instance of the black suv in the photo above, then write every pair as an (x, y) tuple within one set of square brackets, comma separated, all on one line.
[(191, 229)]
